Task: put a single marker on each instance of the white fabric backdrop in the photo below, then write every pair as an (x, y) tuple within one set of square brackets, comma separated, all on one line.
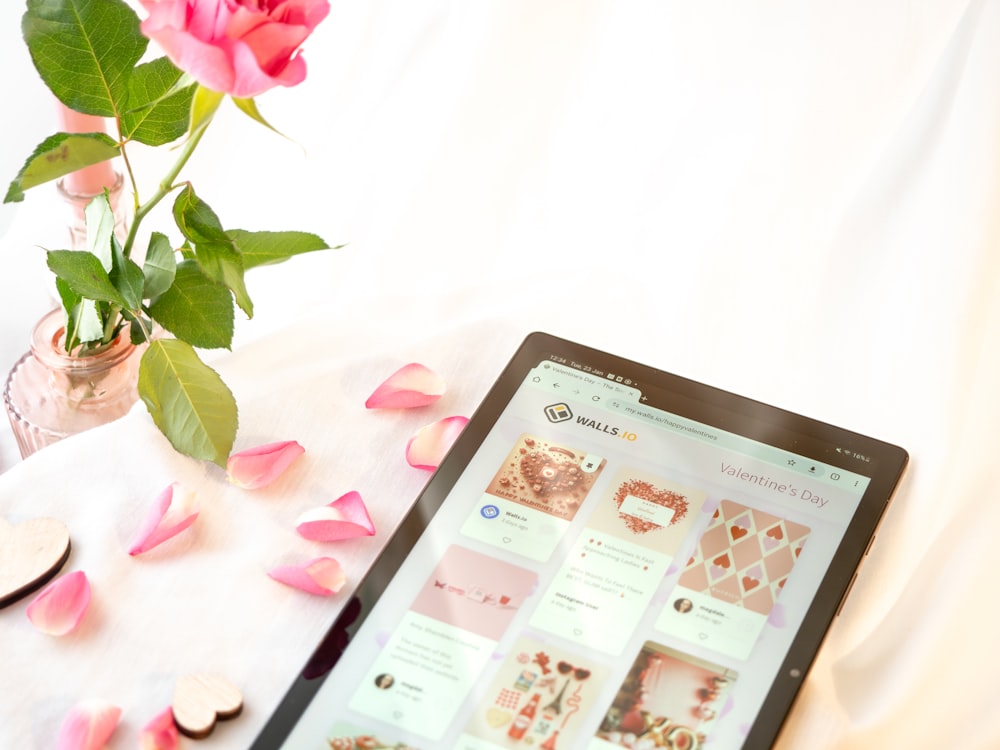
[(793, 201)]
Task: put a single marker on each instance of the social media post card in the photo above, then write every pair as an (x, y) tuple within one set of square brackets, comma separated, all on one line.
[(431, 661), (667, 699), (347, 736), (614, 567), (539, 698), (533, 497), (731, 583)]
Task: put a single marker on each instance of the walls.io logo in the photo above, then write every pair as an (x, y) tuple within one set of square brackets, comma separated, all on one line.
[(558, 413)]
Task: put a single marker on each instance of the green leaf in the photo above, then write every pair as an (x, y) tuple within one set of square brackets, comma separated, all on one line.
[(222, 263), (59, 155), (159, 103), (139, 325), (160, 265), (203, 107), (196, 309), (215, 252), (126, 276), (188, 401), (100, 222), (196, 219), (262, 248), (84, 50), (249, 108), (90, 324), (85, 275), (71, 305)]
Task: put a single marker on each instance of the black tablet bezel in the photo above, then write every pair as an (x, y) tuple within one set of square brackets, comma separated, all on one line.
[(820, 441)]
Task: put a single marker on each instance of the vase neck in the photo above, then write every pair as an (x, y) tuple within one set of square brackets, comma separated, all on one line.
[(48, 345)]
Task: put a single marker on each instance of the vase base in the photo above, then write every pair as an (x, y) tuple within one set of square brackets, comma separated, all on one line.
[(50, 395), (30, 437)]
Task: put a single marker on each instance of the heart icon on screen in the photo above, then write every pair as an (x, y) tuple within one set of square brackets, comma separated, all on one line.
[(507, 540), (703, 636), (577, 631), (550, 473), (722, 561), (397, 715)]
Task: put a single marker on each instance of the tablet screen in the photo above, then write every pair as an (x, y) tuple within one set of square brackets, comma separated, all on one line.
[(610, 556)]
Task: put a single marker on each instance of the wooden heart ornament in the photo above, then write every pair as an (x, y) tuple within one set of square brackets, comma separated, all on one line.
[(200, 700), (31, 553)]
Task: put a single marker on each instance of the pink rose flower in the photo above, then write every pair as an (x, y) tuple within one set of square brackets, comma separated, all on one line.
[(237, 47)]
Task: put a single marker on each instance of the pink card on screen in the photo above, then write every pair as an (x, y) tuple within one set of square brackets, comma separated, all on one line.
[(745, 556)]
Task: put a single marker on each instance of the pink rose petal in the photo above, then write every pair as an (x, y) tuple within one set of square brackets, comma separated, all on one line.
[(61, 605), (411, 385), (322, 576), (160, 733), (88, 725), (169, 515), (239, 48), (344, 518), (427, 448), (258, 467)]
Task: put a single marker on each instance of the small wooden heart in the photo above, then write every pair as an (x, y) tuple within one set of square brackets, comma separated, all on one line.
[(31, 553), (200, 700)]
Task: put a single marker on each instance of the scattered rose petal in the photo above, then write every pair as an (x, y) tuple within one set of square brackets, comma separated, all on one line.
[(322, 576), (426, 449), (170, 514), (160, 733), (61, 605), (258, 467), (410, 386), (88, 725), (344, 518)]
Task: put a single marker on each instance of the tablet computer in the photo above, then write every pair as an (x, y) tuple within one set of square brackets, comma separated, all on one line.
[(609, 556)]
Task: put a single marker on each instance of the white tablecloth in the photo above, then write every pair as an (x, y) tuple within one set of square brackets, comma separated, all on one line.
[(794, 201)]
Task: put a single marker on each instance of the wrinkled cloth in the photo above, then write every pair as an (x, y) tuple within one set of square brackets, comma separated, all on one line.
[(796, 202)]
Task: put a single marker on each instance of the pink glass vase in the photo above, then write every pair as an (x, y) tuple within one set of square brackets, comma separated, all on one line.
[(50, 395)]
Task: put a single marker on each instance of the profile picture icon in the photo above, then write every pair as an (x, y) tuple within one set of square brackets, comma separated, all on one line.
[(384, 681), (683, 605)]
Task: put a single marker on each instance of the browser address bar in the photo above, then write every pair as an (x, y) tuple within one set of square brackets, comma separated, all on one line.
[(662, 419)]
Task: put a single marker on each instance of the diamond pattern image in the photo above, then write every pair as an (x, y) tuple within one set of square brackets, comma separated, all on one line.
[(745, 556)]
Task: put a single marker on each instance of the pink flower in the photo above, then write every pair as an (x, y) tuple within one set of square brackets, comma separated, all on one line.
[(88, 725), (168, 516), (427, 448), (160, 733), (411, 385), (237, 47), (258, 467), (61, 605), (344, 518), (322, 576)]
